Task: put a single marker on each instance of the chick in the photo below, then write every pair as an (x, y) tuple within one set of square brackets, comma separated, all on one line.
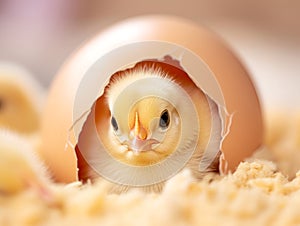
[(20, 169), (21, 99), (143, 119), (153, 124)]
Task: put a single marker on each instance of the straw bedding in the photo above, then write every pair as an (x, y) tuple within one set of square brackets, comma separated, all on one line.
[(264, 190)]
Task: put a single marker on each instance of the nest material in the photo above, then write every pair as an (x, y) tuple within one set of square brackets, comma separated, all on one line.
[(258, 193)]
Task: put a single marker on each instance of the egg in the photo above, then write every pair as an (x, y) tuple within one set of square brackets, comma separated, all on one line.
[(203, 57)]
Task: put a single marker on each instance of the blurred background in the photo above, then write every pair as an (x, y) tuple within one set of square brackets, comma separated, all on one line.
[(41, 34)]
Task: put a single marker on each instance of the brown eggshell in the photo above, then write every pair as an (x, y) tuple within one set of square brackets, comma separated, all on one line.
[(246, 130)]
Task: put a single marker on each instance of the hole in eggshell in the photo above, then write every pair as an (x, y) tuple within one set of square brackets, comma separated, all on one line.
[(101, 111)]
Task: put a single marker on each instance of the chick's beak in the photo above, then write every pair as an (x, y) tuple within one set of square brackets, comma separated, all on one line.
[(139, 141), (138, 130)]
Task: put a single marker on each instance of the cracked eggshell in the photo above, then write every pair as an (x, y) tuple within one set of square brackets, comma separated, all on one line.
[(235, 91)]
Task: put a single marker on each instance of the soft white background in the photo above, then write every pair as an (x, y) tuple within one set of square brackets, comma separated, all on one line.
[(40, 34)]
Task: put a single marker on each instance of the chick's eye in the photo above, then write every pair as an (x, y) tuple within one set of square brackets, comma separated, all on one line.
[(114, 123), (164, 119)]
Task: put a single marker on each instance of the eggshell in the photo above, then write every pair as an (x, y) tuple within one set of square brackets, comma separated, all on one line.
[(238, 93)]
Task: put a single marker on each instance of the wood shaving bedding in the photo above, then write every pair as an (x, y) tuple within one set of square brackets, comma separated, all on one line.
[(259, 192)]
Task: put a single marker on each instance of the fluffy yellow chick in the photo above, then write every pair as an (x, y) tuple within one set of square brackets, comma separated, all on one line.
[(154, 121), (20, 169), (152, 128), (21, 99)]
